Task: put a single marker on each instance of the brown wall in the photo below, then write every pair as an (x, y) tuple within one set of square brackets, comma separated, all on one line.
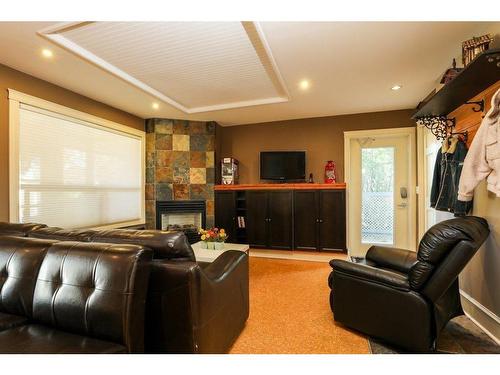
[(481, 277), (322, 138), (13, 79)]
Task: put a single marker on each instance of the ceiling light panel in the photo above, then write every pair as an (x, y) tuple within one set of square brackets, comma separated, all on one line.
[(194, 66)]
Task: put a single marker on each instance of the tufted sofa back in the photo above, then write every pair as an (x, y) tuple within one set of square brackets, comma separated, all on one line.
[(20, 261), (94, 289), (444, 251), (18, 229), (165, 244)]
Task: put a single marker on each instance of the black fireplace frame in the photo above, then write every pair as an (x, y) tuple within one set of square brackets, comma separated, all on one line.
[(187, 206)]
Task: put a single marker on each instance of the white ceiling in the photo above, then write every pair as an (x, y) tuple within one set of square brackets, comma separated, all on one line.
[(223, 71)]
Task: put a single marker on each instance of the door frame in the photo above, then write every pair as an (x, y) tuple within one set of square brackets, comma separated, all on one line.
[(409, 132)]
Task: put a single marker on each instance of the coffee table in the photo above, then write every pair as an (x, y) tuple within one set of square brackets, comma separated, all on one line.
[(209, 255)]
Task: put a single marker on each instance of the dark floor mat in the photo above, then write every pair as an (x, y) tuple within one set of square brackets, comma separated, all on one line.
[(460, 336)]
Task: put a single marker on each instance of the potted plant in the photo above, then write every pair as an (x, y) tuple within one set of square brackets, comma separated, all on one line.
[(212, 238), (220, 238)]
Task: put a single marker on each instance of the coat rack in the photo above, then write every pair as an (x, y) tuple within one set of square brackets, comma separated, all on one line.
[(479, 104)]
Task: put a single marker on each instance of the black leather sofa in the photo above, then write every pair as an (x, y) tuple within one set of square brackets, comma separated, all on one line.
[(406, 298), (191, 307), (72, 297)]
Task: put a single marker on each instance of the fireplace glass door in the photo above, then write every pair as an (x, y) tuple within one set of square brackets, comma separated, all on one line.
[(185, 221)]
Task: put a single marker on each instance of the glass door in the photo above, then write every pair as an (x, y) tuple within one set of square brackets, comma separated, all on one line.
[(381, 192)]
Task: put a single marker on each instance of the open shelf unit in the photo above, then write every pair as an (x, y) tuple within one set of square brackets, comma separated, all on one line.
[(241, 217), (480, 74)]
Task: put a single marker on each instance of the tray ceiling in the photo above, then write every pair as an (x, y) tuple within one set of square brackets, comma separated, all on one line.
[(350, 66), (195, 66)]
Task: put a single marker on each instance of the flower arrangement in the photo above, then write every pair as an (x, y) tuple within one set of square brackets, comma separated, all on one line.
[(213, 238)]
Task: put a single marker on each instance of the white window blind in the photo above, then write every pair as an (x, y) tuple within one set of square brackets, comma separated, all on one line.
[(75, 174)]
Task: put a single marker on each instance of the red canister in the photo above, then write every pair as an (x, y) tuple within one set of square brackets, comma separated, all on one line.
[(330, 173)]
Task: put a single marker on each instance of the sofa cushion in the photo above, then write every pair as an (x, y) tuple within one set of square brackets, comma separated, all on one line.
[(20, 261), (95, 290), (34, 338), (165, 244), (18, 229), (8, 321)]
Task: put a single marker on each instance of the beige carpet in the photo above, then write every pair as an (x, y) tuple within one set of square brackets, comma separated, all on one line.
[(290, 313)]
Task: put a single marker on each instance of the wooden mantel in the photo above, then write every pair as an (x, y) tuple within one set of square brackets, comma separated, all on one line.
[(300, 186)]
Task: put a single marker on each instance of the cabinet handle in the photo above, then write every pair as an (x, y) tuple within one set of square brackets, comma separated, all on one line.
[(269, 219), (317, 220), (320, 220)]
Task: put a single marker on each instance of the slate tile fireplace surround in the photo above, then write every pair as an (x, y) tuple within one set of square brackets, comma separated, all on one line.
[(180, 165)]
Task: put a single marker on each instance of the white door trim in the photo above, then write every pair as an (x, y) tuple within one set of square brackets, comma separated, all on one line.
[(421, 176), (412, 188)]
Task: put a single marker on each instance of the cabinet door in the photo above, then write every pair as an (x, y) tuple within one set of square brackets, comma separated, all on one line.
[(332, 220), (306, 214), (257, 218), (280, 206), (225, 212)]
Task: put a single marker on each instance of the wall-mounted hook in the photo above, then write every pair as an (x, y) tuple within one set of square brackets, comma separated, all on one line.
[(479, 103)]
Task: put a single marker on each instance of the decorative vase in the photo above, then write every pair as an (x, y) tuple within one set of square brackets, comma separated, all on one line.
[(203, 245), (219, 245), (211, 245)]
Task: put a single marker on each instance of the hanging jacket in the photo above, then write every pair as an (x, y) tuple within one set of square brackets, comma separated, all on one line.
[(447, 171), (483, 159)]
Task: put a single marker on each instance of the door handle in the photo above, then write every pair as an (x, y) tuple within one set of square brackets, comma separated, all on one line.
[(403, 192)]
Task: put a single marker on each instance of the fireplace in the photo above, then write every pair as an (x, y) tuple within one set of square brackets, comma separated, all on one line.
[(187, 216)]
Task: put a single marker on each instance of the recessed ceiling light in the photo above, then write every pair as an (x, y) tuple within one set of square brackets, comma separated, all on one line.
[(395, 87), (155, 105), (47, 53), (304, 84)]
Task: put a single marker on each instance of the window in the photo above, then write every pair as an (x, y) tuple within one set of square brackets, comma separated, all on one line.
[(377, 189), (73, 170)]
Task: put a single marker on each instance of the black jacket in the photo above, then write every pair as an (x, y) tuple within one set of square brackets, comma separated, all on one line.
[(447, 170)]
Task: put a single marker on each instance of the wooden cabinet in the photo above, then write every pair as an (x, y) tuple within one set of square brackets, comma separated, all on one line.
[(269, 219), (280, 219), (319, 217), (332, 228), (225, 207), (284, 219), (306, 216), (257, 223)]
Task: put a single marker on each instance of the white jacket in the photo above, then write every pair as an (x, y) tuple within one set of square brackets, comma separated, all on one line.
[(483, 158)]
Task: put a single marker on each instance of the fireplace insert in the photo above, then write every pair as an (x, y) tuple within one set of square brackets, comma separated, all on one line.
[(186, 216)]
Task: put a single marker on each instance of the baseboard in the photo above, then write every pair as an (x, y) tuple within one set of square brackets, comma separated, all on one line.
[(296, 255), (484, 318)]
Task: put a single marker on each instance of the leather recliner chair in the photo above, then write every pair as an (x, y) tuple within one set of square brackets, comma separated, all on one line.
[(192, 307), (406, 298)]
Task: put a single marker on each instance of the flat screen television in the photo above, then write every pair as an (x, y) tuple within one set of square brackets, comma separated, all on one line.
[(283, 166)]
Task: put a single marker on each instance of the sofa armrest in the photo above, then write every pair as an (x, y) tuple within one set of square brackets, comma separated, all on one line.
[(195, 310), (396, 259), (362, 272), (224, 264)]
